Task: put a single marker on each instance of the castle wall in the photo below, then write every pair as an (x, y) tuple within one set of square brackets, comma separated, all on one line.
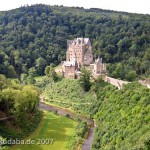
[(69, 72), (79, 50)]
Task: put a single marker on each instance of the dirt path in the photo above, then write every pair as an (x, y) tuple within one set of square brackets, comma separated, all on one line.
[(63, 112), (5, 118), (87, 144)]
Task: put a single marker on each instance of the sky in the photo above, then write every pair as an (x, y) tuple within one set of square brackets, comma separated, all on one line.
[(134, 6)]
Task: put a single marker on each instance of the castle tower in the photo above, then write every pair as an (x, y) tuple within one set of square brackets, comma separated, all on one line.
[(83, 49), (99, 67), (79, 53)]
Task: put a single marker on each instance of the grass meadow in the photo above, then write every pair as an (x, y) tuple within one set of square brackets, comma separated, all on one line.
[(57, 131)]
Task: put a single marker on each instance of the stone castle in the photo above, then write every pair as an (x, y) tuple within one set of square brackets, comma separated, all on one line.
[(79, 53)]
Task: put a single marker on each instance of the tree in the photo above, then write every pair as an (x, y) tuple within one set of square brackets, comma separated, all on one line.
[(119, 71), (50, 72), (23, 78), (30, 35), (40, 64), (130, 75), (8, 98), (11, 72), (30, 80), (99, 82), (85, 79), (3, 82), (27, 101), (32, 72), (32, 96)]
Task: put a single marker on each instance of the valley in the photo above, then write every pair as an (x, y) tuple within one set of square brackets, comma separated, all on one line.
[(75, 78)]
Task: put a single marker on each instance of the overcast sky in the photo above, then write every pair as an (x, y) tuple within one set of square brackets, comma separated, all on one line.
[(135, 6)]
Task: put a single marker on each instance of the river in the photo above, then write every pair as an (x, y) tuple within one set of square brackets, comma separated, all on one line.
[(63, 112)]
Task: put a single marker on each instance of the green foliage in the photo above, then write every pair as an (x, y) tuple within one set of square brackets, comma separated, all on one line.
[(81, 130), (122, 116), (59, 130), (147, 144), (22, 131), (35, 36), (23, 78), (21, 102), (32, 72), (27, 101), (100, 89), (43, 82), (84, 79), (28, 79), (68, 93), (8, 100), (122, 71), (40, 64), (122, 119), (3, 82), (50, 72)]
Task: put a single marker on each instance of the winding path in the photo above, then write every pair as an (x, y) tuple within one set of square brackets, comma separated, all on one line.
[(63, 112)]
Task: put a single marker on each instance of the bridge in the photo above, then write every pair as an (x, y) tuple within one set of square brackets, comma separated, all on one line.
[(119, 83), (147, 84), (116, 82)]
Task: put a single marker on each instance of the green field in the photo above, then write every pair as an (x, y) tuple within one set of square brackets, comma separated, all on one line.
[(57, 128)]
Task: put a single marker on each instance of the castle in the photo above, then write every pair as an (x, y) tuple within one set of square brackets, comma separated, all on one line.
[(79, 53)]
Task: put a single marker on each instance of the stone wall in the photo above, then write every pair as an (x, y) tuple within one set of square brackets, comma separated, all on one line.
[(69, 72), (116, 82)]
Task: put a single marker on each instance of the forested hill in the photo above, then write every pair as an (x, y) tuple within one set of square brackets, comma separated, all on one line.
[(35, 36)]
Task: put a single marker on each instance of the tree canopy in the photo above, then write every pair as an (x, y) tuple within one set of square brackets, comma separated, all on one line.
[(35, 36)]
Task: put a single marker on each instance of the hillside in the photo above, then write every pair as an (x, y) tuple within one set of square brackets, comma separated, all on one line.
[(19, 113), (122, 117), (68, 93), (35, 36)]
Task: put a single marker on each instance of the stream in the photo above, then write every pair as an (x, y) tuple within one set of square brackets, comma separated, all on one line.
[(63, 112)]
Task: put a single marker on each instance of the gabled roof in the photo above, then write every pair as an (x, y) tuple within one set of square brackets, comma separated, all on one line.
[(79, 41)]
